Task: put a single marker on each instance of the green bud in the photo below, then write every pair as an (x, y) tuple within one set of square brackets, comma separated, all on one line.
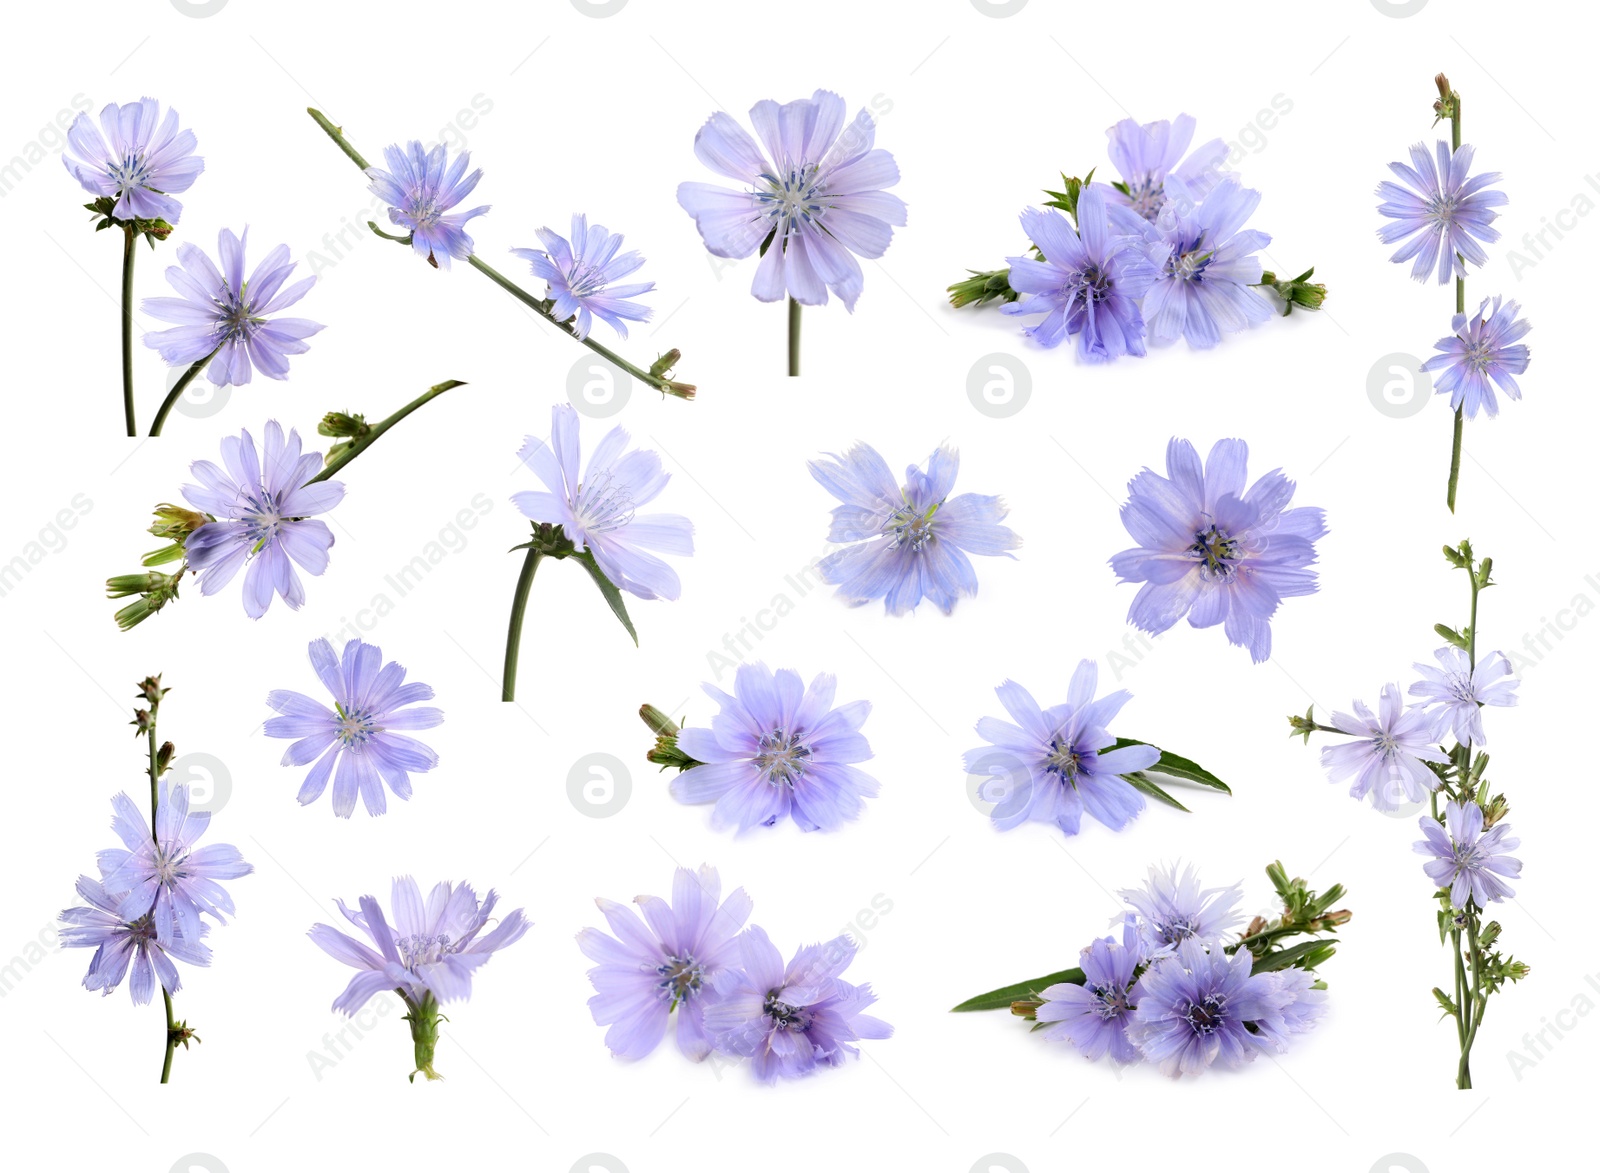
[(150, 688), (1296, 291), (982, 288), (665, 363), (337, 423), (176, 523)]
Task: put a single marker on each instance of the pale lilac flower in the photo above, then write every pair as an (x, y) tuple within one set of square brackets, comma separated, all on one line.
[(1467, 859), (420, 191), (667, 961), (1094, 1016), (581, 277), (1173, 908), (789, 1021), (370, 702), (909, 542), (1087, 282), (1213, 550), (1206, 267), (817, 204), (1482, 353), (1445, 212), (1060, 760), (1387, 761), (1459, 691), (433, 947), (1198, 1008), (599, 509), (222, 313), (264, 510), (1144, 155), (168, 876), (141, 158), (778, 749), (120, 942), (1299, 1015)]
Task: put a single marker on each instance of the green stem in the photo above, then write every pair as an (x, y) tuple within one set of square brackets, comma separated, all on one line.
[(129, 238), (1455, 457), (1479, 1004), (539, 306), (155, 806), (794, 337), (519, 604), (172, 1038), (1461, 308), (361, 443), (176, 393)]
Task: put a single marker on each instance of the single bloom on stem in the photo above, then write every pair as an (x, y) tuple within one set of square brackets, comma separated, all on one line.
[(359, 735), (778, 749), (168, 877), (1442, 212), (432, 948), (1387, 761), (1198, 1008), (790, 1020), (420, 188), (1094, 1016), (1145, 155), (908, 542), (598, 508), (1482, 353), (1206, 267), (814, 198), (1457, 691), (126, 947), (581, 277), (1057, 763), (221, 313), (663, 957), (1174, 908), (136, 156), (1087, 283), (263, 511), (1304, 1008), (1214, 551), (1465, 858)]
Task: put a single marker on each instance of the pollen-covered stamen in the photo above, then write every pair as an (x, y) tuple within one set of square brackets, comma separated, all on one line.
[(792, 198), (1111, 1000), (167, 862), (423, 950), (785, 1016), (1171, 932), (132, 171), (603, 504), (781, 758), (681, 978), (1188, 263), (1206, 1016), (356, 726), (236, 318), (261, 511), (909, 528), (1147, 197), (1218, 551), (1442, 208), (1063, 761)]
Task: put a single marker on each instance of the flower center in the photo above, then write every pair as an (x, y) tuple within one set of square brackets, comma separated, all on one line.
[(1063, 761), (236, 320), (262, 514), (909, 530), (420, 950), (1188, 263), (585, 281), (1111, 1000), (603, 505), (355, 727), (785, 1016), (424, 209), (1091, 284), (1442, 209), (167, 863), (1218, 551), (1147, 197), (1206, 1016), (1179, 928), (132, 171), (1479, 354), (681, 978), (792, 199), (781, 758)]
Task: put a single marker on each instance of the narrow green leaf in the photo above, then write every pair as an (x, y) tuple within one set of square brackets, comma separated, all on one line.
[(609, 590), (1179, 767), (1284, 958), (1140, 781), (1002, 998)]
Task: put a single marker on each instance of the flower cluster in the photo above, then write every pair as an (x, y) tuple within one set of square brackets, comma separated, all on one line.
[(734, 996), (1159, 255), (159, 893), (426, 951), (1178, 986)]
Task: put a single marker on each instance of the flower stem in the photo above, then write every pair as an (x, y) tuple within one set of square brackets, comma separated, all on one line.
[(176, 393), (1455, 456), (1479, 1003), (659, 381), (519, 604), (361, 443), (129, 238), (1461, 308), (794, 337), (155, 805)]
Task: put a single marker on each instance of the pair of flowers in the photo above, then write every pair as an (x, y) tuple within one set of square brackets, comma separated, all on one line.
[(728, 984)]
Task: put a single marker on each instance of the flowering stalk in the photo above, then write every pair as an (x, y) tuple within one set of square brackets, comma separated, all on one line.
[(794, 337), (655, 376), (177, 391), (1449, 106), (1466, 843), (128, 239)]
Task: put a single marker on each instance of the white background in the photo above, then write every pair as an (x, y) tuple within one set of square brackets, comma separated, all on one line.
[(599, 115)]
